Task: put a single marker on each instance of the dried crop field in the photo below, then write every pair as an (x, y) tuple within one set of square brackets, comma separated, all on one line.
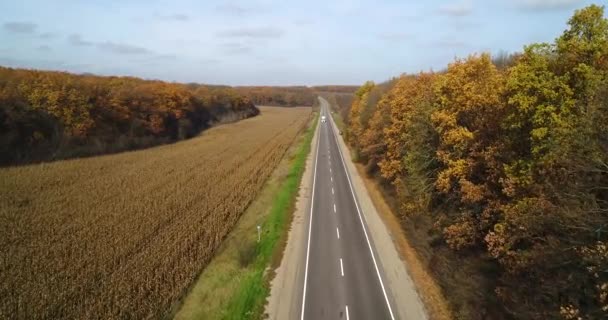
[(123, 236)]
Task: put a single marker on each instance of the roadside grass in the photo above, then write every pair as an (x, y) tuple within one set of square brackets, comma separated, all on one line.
[(235, 284)]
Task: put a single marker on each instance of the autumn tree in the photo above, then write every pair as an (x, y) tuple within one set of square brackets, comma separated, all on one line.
[(410, 160), (52, 115), (510, 163), (373, 140), (360, 104), (551, 232), (468, 117)]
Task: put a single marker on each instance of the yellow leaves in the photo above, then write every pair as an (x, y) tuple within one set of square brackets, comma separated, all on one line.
[(514, 162), (409, 104), (443, 121), (461, 235), (390, 168), (467, 117), (539, 133), (58, 96), (105, 113), (356, 127), (471, 84), (456, 170), (471, 193), (459, 137)]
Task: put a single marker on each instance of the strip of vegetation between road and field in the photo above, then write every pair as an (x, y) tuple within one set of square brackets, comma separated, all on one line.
[(249, 299), (236, 284)]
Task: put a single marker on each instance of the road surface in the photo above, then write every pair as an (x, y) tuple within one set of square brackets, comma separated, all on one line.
[(342, 276)]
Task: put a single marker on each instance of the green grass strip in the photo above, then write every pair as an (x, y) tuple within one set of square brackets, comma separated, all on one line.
[(253, 290)]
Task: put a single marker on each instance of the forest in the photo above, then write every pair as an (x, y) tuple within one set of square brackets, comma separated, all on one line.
[(279, 96), (55, 115), (502, 163), (336, 89)]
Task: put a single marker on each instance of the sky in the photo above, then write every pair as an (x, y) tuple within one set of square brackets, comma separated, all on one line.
[(269, 42)]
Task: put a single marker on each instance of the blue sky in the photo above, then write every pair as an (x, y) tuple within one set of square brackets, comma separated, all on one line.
[(268, 42)]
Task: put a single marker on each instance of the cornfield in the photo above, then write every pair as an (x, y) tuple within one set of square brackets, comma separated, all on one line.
[(123, 236)]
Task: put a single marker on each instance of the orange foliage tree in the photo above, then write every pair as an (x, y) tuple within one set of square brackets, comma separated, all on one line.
[(52, 115), (510, 163)]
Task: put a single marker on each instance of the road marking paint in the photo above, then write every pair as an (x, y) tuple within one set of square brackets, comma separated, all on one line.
[(347, 317), (331, 178), (312, 203), (338, 232), (341, 267), (332, 190), (334, 207), (388, 304)]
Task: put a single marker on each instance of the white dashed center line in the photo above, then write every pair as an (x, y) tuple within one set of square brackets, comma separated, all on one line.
[(338, 233), (341, 267), (334, 207), (347, 317)]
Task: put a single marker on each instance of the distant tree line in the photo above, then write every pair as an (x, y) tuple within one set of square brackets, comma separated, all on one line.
[(508, 156), (55, 115), (279, 96), (336, 89)]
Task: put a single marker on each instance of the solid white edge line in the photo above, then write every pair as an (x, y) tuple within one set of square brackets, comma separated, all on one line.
[(347, 317), (390, 310), (341, 267), (338, 232), (312, 202)]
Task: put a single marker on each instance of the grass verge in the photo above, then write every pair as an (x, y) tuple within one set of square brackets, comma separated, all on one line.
[(235, 285)]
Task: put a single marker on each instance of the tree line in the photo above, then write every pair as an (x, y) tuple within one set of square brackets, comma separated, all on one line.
[(279, 96), (508, 156), (335, 89), (54, 115)]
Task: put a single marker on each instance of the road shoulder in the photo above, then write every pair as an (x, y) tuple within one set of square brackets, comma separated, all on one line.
[(395, 273)]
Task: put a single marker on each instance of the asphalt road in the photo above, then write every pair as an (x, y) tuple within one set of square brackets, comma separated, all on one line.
[(342, 278)]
